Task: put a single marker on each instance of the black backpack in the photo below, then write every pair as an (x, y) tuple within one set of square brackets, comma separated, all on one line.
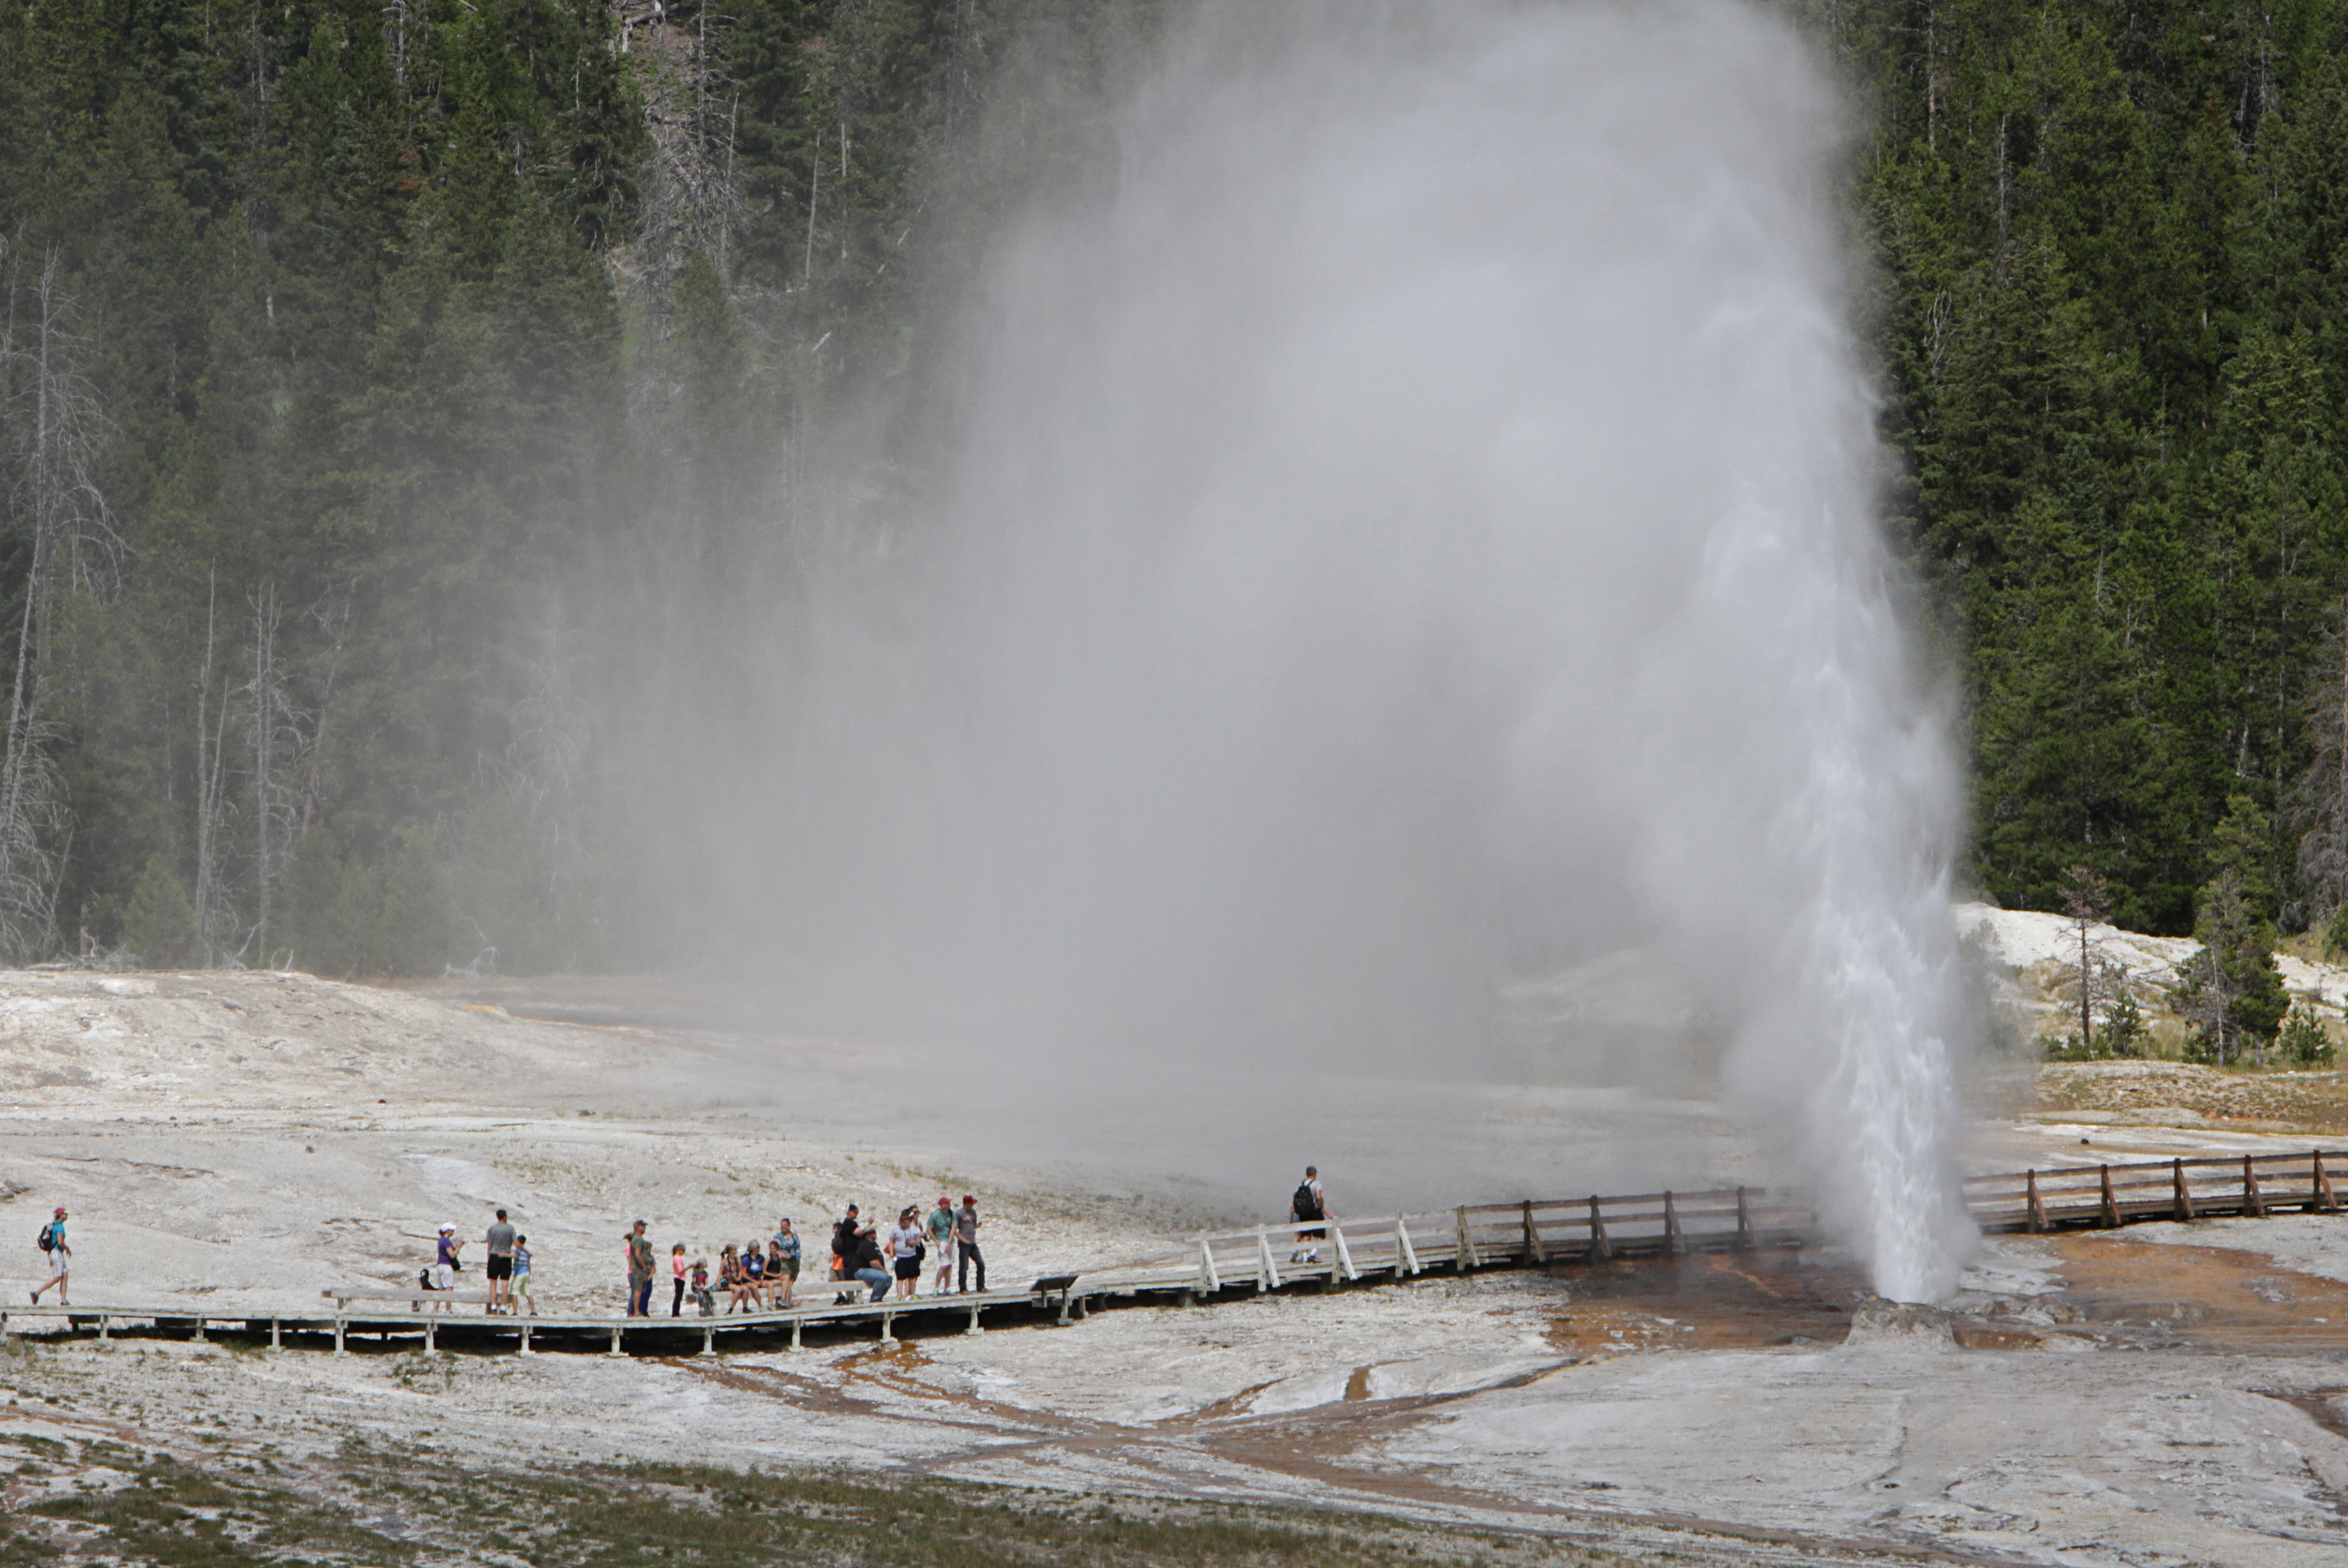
[(47, 1238), (1307, 1203)]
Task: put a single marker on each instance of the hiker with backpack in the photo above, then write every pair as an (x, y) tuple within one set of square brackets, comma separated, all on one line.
[(52, 1241), (1308, 1211)]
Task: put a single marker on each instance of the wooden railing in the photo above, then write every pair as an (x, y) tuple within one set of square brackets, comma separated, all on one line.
[(2078, 1197), (1670, 1223)]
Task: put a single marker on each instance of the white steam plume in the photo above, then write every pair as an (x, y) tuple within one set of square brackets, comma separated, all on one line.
[(1414, 532)]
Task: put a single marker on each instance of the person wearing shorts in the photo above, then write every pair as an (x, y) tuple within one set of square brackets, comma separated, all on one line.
[(939, 1228), (445, 1265), (60, 1254), (905, 1250), (519, 1291), (498, 1270)]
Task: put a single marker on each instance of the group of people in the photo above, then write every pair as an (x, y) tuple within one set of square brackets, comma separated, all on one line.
[(507, 1270), (761, 1276)]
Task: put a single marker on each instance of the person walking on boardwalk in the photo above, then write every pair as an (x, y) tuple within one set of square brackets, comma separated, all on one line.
[(640, 1271), (966, 1243), (498, 1270), (445, 1265), (520, 1283), (940, 1227), (53, 1242), (1308, 1211)]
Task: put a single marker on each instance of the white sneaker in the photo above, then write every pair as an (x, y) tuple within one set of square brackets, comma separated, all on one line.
[(1312, 1256)]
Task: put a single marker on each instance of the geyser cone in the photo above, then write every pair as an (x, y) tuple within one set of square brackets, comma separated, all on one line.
[(1412, 532)]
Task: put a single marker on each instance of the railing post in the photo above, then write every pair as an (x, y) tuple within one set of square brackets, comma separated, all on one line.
[(2111, 1204), (2184, 1194), (1601, 1249), (2320, 1188), (2037, 1209), (1671, 1227), (1533, 1252), (2252, 1204), (1344, 1253), (1744, 1222), (1267, 1277), (1208, 1279), (1466, 1259)]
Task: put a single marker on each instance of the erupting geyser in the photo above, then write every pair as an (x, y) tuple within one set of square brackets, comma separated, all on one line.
[(1414, 530)]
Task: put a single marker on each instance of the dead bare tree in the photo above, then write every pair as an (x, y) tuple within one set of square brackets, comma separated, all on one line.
[(2085, 899), (274, 744), (215, 921)]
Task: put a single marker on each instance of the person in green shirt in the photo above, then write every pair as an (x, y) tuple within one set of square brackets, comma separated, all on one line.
[(940, 1226)]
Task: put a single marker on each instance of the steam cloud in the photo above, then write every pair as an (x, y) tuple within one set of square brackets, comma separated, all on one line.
[(1414, 533)]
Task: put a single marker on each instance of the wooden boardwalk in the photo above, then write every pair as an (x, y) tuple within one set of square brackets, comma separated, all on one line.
[(1530, 1233)]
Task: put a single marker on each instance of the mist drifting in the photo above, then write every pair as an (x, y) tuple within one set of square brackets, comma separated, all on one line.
[(1412, 533)]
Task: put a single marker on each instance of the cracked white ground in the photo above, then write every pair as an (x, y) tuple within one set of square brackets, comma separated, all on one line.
[(2165, 1394)]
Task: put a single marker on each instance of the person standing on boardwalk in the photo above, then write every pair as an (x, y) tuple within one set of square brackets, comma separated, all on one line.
[(905, 1250), (520, 1291), (844, 1251), (445, 1265), (1308, 1211), (966, 1243), (940, 1224), (53, 1242), (783, 1259), (499, 1271), (677, 1268), (640, 1272)]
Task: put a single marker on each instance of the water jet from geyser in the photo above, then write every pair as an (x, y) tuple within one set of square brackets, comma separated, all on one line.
[(1412, 532)]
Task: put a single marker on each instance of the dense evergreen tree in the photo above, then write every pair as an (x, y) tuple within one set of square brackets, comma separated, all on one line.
[(401, 346)]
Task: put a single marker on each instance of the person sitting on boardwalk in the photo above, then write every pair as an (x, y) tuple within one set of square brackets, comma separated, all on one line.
[(53, 1242), (939, 1226), (1306, 1209), (729, 1276), (783, 1260), (701, 1296), (864, 1263), (519, 1296), (754, 1274), (445, 1265), (905, 1250)]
